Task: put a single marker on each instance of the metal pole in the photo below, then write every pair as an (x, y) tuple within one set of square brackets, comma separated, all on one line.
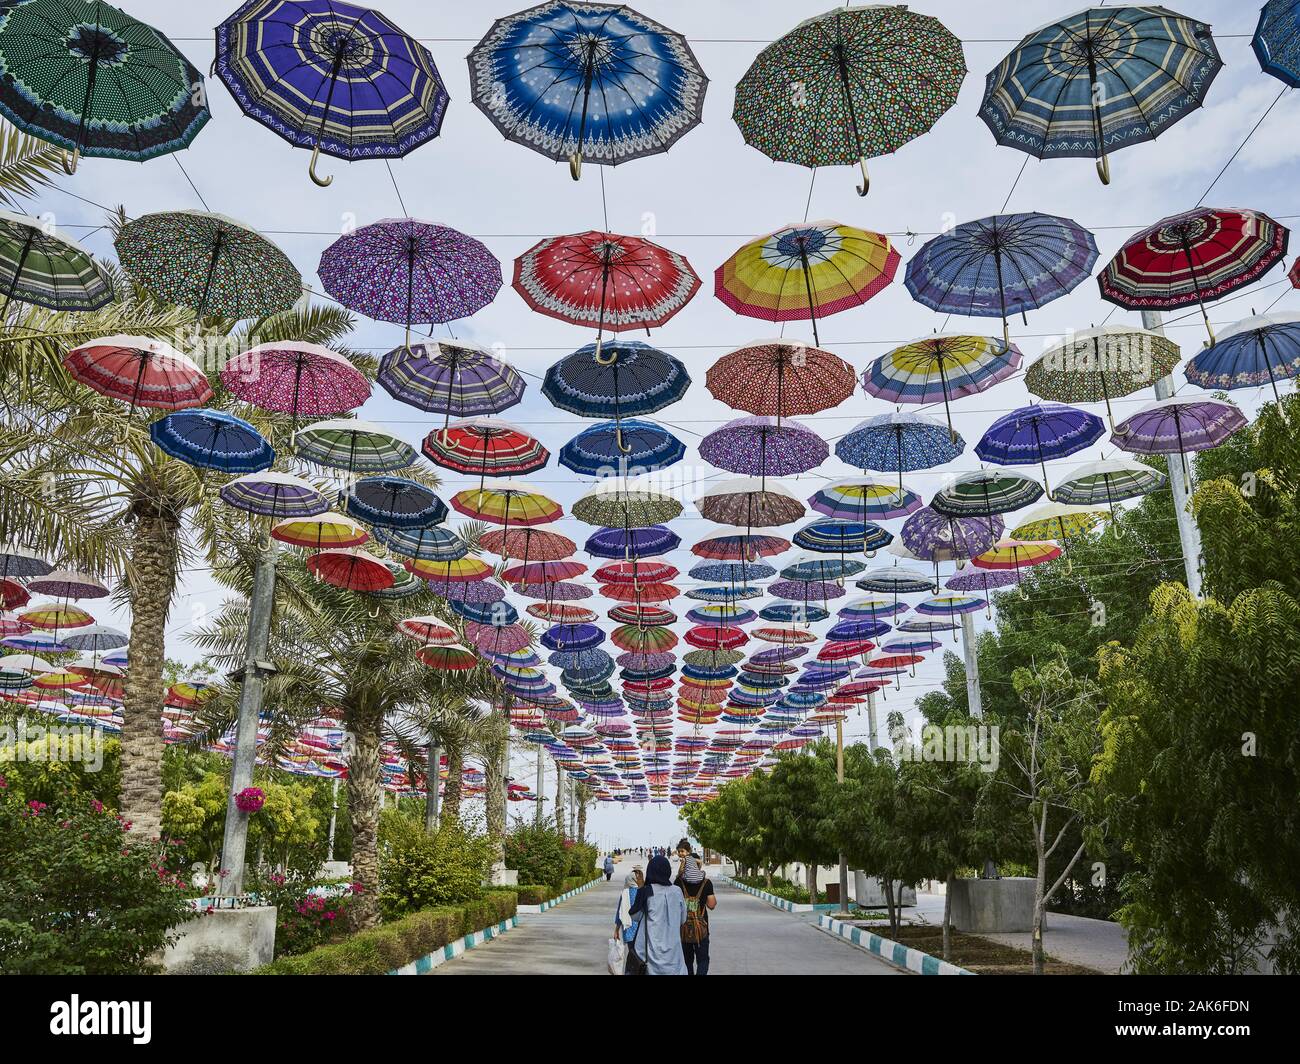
[(839, 778), (431, 783), (334, 817), (1189, 535), (974, 701), (873, 736), (235, 842), (541, 784)]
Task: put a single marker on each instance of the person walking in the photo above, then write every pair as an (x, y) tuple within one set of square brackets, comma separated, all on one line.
[(625, 924), (697, 891), (662, 908), (609, 867)]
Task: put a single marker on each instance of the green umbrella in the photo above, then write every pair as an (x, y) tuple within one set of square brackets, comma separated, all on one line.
[(39, 266), (95, 81), (985, 492), (209, 263), (354, 446), (621, 506), (849, 85)]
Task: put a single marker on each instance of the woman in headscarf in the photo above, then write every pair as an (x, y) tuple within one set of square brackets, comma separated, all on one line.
[(662, 909), (625, 924)]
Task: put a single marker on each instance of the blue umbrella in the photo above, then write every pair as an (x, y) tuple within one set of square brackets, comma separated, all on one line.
[(732, 593), (595, 451), (429, 543), (497, 614), (721, 613), (395, 502), (822, 569), (794, 613), (212, 439), (863, 628), (1015, 262), (1038, 433), (572, 637), (899, 442), (1277, 41), (1097, 80), (732, 572), (834, 536), (629, 543), (578, 80), (1256, 351)]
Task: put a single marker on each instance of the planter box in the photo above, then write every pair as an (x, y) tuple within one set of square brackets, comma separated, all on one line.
[(868, 893), (781, 903), (894, 953), (987, 906), (223, 940), (424, 965)]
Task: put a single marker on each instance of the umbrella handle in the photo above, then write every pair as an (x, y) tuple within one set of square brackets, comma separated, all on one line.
[(1103, 169), (321, 182), (575, 165), (618, 439), (865, 187), (600, 358), (70, 160)]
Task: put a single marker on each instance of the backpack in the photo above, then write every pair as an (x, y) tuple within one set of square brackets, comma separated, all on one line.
[(696, 928)]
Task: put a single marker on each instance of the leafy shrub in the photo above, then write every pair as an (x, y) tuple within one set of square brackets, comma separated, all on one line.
[(418, 870), (538, 853), (78, 896), (305, 917), (782, 888), (582, 860)]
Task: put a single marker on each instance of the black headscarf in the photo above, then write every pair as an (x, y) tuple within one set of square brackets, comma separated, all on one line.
[(658, 873)]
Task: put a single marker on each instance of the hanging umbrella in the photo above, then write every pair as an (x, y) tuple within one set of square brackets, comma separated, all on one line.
[(822, 570), (295, 378), (749, 503), (640, 593), (838, 536), (353, 446), (984, 492), (740, 544), (1192, 258), (468, 590), (486, 446), (1258, 350), (784, 635), (628, 543), (331, 76), (68, 584), (410, 272), (779, 378), (741, 572), (595, 451), (274, 495), (896, 580), (327, 530), (982, 581), (448, 570), (805, 271), (611, 281), (209, 263), (453, 658), (561, 612), (729, 593), (850, 85), (428, 630), (1108, 482), (1097, 365), (934, 537), (940, 368), (624, 379), (793, 612), (1057, 521), (636, 572), (870, 608), (22, 564), (96, 82), (1177, 425), (726, 613), (46, 269), (1277, 42), (898, 442), (427, 542), (351, 569), (530, 544), (139, 371), (764, 446), (1015, 555), (494, 614), (1007, 262), (510, 504), (12, 594), (622, 504), (1039, 433), (55, 616), (806, 591), (395, 502), (715, 637), (212, 439), (536, 572), (646, 640), (562, 591), (594, 81), (654, 616), (1098, 80)]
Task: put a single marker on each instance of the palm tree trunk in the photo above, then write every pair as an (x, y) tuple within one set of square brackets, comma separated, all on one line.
[(363, 806), (151, 579), (451, 793), (582, 814), (560, 781)]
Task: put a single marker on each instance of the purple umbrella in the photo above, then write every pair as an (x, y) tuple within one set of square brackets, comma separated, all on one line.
[(777, 655), (646, 662), (450, 377), (559, 591), (477, 591), (1037, 433), (1177, 425), (932, 536), (275, 495), (983, 581), (406, 271), (764, 446), (805, 590), (629, 543)]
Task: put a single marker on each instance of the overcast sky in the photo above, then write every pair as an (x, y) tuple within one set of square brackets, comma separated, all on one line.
[(704, 198)]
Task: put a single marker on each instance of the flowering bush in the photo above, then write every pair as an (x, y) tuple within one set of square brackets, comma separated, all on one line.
[(250, 800), (306, 915)]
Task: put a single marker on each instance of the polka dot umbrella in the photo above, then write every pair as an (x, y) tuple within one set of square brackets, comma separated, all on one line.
[(780, 378), (296, 378)]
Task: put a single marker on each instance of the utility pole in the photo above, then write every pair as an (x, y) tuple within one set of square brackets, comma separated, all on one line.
[(839, 778), (541, 783), (334, 817), (873, 735), (1189, 535), (252, 681), (974, 699), (432, 773)]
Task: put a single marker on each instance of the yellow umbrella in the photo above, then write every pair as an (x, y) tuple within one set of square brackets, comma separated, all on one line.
[(452, 570), (323, 531)]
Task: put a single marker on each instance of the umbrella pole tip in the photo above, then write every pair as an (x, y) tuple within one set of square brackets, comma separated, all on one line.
[(70, 161)]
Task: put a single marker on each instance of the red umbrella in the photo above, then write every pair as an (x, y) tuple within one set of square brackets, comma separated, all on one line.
[(710, 637), (560, 613), (644, 615), (13, 595), (640, 592), (486, 446), (428, 630), (529, 544), (139, 371), (296, 378), (850, 648), (605, 280), (780, 378), (352, 569), (636, 572), (543, 572)]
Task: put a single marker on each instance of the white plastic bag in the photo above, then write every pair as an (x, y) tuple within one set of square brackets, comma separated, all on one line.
[(616, 956)]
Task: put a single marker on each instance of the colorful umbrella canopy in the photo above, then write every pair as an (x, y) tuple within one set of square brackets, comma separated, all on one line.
[(449, 570), (212, 264), (1177, 425), (454, 658), (450, 377), (636, 572), (984, 492), (740, 544), (1108, 482), (734, 572), (1258, 350), (351, 569), (354, 446), (1096, 365), (848, 86), (536, 572), (837, 536), (617, 502), (212, 439), (778, 378), (21, 563), (1007, 262), (429, 543), (561, 612), (654, 616), (407, 271), (485, 446), (647, 640), (395, 502), (818, 569), (941, 367), (1039, 433), (93, 80), (296, 378), (331, 76), (274, 495), (749, 503), (507, 504), (632, 542), (320, 531), (1015, 555), (1277, 42), (932, 536), (1192, 258), (529, 544), (764, 446), (982, 580), (595, 81), (715, 637), (805, 271), (139, 371), (595, 451), (638, 593), (1057, 521), (56, 616), (68, 584), (46, 269), (898, 442), (895, 580), (793, 612), (863, 500), (1098, 80)]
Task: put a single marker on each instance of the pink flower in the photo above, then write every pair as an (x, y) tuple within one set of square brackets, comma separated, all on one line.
[(96, 806), (250, 800)]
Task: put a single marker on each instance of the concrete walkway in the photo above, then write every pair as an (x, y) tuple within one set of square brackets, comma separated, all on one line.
[(748, 937)]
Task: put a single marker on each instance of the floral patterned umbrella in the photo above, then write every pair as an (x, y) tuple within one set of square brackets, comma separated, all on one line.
[(1258, 350), (930, 535), (764, 446), (1277, 41), (1057, 521), (450, 377), (622, 504), (46, 269), (898, 442), (139, 371), (296, 378), (779, 378), (848, 86), (528, 544)]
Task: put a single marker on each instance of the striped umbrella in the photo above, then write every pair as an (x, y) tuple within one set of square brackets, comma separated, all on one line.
[(395, 502), (1015, 555), (1178, 425), (1191, 258), (427, 542), (898, 442), (653, 616), (984, 492), (510, 504), (1108, 482), (212, 439), (643, 639), (449, 570), (139, 371), (450, 377), (941, 367), (46, 269), (837, 536), (274, 495), (636, 572), (353, 446), (542, 572), (780, 378), (805, 271), (486, 446), (320, 531), (55, 616), (1255, 351), (331, 76), (863, 500)]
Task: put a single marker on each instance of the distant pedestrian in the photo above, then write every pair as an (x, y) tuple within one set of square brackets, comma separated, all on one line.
[(697, 890), (662, 908), (609, 868)]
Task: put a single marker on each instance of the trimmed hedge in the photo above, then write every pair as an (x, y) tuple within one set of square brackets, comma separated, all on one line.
[(381, 949), (539, 893)]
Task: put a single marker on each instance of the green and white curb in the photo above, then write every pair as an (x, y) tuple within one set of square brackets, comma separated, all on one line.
[(533, 910), (780, 903), (895, 953), (424, 965)]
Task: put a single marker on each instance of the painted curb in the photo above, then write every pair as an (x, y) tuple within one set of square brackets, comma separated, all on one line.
[(424, 965), (534, 910), (780, 903), (894, 953)]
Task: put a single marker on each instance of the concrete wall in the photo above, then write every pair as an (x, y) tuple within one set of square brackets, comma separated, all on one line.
[(868, 891), (983, 906), (223, 940)]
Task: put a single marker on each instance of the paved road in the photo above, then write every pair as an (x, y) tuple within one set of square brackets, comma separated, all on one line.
[(748, 937)]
